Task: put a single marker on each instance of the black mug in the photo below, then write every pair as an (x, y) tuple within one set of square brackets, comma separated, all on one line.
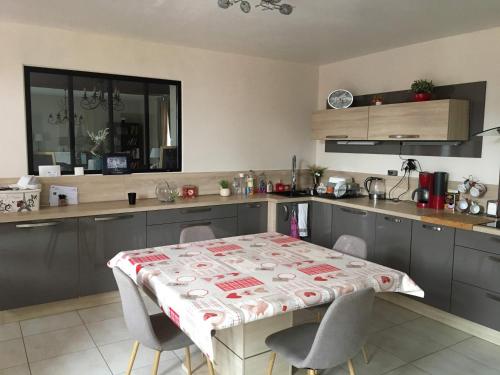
[(131, 198)]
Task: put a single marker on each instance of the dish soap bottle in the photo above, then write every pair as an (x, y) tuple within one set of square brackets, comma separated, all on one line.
[(250, 183)]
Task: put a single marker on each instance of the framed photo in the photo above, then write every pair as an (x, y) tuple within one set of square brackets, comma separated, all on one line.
[(116, 164)]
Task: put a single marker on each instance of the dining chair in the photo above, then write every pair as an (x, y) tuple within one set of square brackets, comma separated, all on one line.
[(338, 338), (351, 245), (197, 233), (156, 332)]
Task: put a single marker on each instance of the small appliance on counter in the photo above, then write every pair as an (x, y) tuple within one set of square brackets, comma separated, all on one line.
[(375, 186), (432, 189)]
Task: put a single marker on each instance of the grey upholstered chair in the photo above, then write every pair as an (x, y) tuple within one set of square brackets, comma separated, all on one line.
[(338, 338), (197, 233), (351, 245), (156, 332)]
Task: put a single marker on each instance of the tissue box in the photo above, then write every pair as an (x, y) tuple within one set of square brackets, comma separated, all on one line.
[(19, 200)]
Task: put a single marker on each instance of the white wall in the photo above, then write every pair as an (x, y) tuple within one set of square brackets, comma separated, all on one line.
[(239, 112), (463, 58)]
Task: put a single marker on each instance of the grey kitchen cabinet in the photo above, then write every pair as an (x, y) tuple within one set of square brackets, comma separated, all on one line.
[(181, 215), (355, 222), (38, 262), (169, 234), (476, 304), (252, 218), (478, 240), (100, 239), (477, 268), (393, 242), (431, 264), (321, 224)]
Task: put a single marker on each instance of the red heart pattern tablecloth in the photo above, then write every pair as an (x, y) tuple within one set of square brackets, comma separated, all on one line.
[(212, 285)]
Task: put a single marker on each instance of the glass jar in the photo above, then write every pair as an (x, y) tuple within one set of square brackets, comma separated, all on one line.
[(166, 192)]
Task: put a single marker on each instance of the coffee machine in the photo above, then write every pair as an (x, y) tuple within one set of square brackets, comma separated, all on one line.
[(425, 189), (431, 190)]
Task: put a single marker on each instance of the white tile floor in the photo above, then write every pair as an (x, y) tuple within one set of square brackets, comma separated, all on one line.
[(95, 341)]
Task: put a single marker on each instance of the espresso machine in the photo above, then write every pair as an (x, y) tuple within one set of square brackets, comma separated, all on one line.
[(431, 190)]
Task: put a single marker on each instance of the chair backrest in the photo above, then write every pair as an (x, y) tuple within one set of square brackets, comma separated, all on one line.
[(351, 245), (342, 331), (134, 311), (197, 233)]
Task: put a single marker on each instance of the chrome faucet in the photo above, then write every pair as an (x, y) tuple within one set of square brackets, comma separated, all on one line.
[(294, 174)]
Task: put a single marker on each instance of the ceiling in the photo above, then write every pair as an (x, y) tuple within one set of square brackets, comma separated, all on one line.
[(317, 32)]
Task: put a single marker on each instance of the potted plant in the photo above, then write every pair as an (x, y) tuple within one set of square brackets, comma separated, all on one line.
[(224, 188), (422, 89), (316, 173)]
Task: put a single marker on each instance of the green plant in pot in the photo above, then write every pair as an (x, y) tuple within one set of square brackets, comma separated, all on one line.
[(422, 89), (224, 188)]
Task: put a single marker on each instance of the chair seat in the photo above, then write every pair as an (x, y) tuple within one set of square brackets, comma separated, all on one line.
[(294, 343), (170, 336)]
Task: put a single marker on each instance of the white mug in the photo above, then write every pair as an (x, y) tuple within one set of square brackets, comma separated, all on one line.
[(463, 205), (79, 171), (475, 208), (477, 190)]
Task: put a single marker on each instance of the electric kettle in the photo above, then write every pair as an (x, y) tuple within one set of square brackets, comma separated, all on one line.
[(375, 186)]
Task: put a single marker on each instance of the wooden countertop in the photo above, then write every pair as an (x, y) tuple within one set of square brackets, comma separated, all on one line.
[(404, 209)]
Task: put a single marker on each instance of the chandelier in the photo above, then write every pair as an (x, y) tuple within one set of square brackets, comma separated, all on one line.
[(245, 6), (62, 116), (98, 99)]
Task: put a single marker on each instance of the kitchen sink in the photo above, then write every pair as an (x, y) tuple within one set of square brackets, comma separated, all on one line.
[(292, 194)]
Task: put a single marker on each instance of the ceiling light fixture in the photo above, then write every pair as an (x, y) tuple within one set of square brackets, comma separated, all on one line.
[(245, 6)]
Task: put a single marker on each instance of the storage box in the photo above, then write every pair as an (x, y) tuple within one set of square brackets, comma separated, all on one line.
[(19, 200)]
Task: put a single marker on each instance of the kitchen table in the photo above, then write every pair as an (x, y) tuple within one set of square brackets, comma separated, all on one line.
[(229, 294)]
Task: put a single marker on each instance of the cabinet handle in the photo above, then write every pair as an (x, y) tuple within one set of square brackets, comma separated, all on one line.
[(494, 258), (492, 296), (196, 210), (401, 136), (432, 227), (336, 136), (354, 212), (254, 205), (113, 218), (206, 223), (37, 225), (393, 219)]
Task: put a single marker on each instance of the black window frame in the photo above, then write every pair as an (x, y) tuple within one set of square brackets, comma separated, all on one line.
[(71, 123)]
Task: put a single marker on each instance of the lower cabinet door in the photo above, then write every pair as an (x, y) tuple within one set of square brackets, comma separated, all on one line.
[(38, 262), (431, 264), (169, 234), (393, 242), (321, 224), (355, 222), (476, 304), (100, 239), (252, 218)]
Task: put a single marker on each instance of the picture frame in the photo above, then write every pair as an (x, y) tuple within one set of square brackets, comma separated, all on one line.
[(116, 164)]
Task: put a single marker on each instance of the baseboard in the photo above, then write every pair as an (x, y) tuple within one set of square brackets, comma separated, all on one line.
[(37, 311), (444, 317)]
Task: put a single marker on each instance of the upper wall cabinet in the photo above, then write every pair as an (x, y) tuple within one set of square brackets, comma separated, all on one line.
[(435, 120), (341, 124)]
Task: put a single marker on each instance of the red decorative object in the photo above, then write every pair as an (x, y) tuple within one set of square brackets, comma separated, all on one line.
[(422, 96), (279, 187), (189, 191)]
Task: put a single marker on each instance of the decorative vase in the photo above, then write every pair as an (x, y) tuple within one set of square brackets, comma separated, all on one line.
[(225, 192), (422, 96)]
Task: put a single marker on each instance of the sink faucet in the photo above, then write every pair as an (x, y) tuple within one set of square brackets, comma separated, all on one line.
[(294, 174)]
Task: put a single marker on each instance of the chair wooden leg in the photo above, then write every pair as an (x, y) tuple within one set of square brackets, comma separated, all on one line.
[(271, 363), (132, 357), (311, 372), (156, 363), (210, 365), (365, 354), (187, 362), (351, 367)]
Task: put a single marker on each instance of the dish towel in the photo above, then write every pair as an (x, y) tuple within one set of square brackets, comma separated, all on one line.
[(303, 207)]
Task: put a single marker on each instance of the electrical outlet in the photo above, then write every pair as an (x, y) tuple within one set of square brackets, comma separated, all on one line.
[(392, 172)]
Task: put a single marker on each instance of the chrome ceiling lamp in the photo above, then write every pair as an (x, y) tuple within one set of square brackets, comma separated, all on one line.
[(98, 99), (62, 117), (245, 6)]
